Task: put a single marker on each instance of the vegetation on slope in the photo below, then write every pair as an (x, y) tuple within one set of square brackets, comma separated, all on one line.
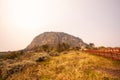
[(74, 65), (11, 55), (53, 39)]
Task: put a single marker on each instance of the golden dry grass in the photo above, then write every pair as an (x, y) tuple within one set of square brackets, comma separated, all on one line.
[(74, 65)]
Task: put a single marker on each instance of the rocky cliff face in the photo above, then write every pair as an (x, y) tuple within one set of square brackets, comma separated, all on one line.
[(54, 38)]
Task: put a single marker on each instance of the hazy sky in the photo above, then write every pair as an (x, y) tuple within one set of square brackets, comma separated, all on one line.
[(96, 21)]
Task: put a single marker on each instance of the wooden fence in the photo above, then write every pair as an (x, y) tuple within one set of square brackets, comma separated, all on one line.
[(113, 53)]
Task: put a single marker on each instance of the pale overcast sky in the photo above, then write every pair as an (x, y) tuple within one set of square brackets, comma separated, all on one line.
[(96, 21)]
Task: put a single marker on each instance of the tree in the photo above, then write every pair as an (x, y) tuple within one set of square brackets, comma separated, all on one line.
[(90, 46), (102, 47), (62, 46), (45, 47)]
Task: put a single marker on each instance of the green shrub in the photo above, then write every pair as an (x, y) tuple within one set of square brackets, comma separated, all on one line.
[(62, 47), (12, 55), (45, 48), (43, 58)]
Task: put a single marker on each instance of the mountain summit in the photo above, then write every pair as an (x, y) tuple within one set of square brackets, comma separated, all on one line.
[(55, 38)]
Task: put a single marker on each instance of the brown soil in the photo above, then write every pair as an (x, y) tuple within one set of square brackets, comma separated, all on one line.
[(113, 72)]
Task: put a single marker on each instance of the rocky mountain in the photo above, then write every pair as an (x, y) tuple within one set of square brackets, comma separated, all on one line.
[(54, 38)]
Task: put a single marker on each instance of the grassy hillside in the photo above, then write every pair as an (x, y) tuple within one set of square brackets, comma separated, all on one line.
[(72, 65)]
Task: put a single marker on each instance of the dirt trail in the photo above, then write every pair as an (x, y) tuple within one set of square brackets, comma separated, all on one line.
[(113, 72)]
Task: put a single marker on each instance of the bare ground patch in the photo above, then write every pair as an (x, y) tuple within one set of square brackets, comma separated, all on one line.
[(112, 72)]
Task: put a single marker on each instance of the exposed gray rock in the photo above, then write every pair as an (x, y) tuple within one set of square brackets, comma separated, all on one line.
[(54, 38)]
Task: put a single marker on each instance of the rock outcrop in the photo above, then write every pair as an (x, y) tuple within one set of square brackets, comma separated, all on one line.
[(54, 38)]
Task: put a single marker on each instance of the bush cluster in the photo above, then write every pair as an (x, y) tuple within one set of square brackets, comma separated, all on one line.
[(11, 55)]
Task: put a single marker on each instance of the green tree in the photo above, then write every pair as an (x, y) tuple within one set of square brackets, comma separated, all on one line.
[(90, 46), (63, 46), (45, 48)]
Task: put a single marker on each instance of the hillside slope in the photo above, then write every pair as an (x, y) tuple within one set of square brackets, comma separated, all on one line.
[(71, 65), (53, 39)]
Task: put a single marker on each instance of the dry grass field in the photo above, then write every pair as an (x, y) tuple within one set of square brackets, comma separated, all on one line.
[(71, 65)]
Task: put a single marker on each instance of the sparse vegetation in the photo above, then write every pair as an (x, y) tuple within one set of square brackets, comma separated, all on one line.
[(42, 58), (54, 53), (11, 55), (90, 46), (71, 65), (62, 47), (45, 48)]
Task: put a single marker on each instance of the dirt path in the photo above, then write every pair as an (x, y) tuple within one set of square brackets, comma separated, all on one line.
[(113, 72)]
